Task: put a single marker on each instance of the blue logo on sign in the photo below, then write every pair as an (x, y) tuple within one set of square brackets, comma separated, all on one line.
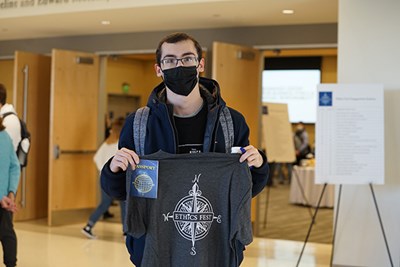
[(325, 99)]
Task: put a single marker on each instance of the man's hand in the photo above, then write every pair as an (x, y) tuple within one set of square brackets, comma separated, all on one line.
[(122, 159), (8, 204), (252, 156)]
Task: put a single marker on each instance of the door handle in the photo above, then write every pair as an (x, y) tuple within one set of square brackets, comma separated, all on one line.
[(25, 71), (56, 151), (77, 151)]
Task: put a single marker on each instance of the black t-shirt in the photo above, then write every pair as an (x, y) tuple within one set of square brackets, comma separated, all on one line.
[(190, 131)]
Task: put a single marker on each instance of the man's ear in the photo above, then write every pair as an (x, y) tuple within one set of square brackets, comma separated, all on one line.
[(158, 70), (201, 65)]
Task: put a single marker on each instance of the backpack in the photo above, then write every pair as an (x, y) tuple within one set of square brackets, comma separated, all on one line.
[(140, 125), (25, 143)]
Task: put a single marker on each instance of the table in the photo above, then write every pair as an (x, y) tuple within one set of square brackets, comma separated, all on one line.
[(312, 191)]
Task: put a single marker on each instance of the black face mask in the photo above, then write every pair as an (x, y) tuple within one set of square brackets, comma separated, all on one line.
[(181, 80), (299, 132)]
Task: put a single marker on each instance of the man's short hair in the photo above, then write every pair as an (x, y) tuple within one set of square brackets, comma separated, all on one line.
[(3, 94), (176, 38)]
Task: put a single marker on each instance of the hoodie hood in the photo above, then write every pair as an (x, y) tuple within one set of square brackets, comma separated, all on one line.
[(7, 108)]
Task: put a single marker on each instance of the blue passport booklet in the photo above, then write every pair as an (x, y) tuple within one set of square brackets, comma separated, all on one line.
[(143, 181)]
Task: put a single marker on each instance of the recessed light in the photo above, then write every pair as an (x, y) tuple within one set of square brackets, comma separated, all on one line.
[(288, 11), (105, 22)]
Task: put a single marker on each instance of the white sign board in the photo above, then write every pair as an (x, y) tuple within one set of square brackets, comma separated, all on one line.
[(277, 136), (350, 134)]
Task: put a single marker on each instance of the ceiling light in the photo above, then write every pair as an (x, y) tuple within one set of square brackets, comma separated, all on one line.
[(105, 22), (288, 11)]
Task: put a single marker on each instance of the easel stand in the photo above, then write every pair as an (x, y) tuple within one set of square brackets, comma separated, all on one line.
[(269, 184), (336, 222), (272, 170), (266, 208), (311, 224), (381, 224)]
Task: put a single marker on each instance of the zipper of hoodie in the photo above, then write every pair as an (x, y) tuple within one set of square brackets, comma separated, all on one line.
[(213, 138), (174, 130)]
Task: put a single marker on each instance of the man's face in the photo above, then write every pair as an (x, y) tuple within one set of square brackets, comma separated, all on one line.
[(178, 51), (299, 128)]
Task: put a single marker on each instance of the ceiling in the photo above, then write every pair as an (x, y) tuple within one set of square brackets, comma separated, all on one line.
[(159, 16)]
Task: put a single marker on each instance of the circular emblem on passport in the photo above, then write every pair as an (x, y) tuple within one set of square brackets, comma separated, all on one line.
[(143, 183)]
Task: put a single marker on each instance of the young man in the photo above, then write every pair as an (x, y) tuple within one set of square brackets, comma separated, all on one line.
[(183, 118), (11, 122)]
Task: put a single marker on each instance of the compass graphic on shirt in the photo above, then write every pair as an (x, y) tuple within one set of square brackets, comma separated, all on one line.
[(193, 216)]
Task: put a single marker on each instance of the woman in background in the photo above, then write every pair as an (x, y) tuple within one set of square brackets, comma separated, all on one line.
[(9, 179), (103, 154)]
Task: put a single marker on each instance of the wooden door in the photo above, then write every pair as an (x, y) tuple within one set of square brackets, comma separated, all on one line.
[(32, 103), (73, 180), (238, 71), (7, 77)]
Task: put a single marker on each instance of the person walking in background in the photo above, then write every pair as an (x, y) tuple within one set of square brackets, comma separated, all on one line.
[(9, 179), (301, 142), (183, 118), (103, 154), (11, 122)]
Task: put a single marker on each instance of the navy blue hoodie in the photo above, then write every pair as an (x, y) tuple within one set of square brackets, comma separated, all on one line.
[(160, 135)]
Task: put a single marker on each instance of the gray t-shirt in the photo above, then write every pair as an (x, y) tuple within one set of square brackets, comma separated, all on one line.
[(202, 210)]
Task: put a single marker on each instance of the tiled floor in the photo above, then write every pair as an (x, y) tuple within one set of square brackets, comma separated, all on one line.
[(65, 246)]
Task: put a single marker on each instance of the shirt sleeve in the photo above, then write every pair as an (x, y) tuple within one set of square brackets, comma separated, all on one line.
[(259, 175), (241, 229), (136, 217), (136, 211), (15, 171)]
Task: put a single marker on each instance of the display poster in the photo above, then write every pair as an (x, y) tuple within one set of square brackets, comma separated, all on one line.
[(350, 134), (277, 136)]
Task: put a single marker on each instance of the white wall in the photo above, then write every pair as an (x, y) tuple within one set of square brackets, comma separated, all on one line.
[(369, 52)]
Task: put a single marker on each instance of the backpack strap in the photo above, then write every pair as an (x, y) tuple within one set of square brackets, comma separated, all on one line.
[(226, 121), (9, 113), (139, 129)]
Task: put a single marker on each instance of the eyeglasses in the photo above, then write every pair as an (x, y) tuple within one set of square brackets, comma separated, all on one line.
[(173, 62)]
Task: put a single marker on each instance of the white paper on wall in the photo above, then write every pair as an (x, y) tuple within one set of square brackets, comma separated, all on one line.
[(350, 134)]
